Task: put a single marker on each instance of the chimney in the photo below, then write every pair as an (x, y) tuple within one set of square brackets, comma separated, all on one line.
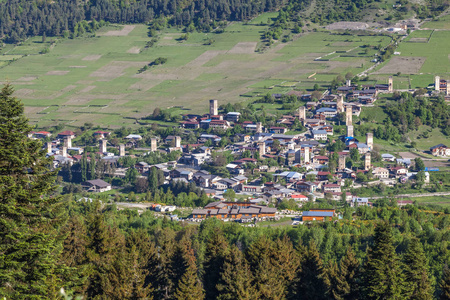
[(121, 150), (68, 142), (103, 146)]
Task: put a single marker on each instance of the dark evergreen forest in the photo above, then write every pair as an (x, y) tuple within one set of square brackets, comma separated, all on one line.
[(22, 18)]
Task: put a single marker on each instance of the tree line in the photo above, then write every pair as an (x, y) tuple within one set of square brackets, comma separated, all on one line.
[(20, 19)]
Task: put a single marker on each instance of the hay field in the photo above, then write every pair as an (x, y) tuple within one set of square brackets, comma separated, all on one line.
[(96, 79)]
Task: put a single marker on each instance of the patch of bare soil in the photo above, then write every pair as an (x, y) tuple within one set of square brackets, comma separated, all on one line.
[(88, 89), (145, 84), (115, 69), (123, 32), (92, 57), (204, 58), (23, 92), (57, 73), (243, 48), (134, 50), (403, 64), (27, 78), (77, 67), (348, 25)]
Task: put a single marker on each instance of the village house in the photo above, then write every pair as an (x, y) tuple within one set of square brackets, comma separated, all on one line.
[(318, 215), (96, 185), (440, 150), (331, 188), (380, 173), (319, 135), (66, 134)]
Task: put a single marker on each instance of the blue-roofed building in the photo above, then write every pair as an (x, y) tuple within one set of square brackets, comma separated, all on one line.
[(319, 134), (328, 112), (318, 215)]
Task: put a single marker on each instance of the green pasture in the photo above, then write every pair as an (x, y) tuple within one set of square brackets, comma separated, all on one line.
[(96, 79), (437, 59), (441, 23)]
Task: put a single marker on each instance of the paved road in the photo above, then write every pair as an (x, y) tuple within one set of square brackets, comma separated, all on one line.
[(415, 195)]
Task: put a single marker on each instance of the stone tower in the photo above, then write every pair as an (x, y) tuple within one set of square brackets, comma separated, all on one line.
[(350, 131), (213, 108), (367, 164), (103, 146), (153, 144), (341, 163), (178, 141), (390, 84), (448, 87), (259, 127), (121, 150), (437, 83), (64, 151), (68, 142), (340, 104), (302, 113), (348, 116), (307, 156), (49, 147), (369, 140), (262, 149)]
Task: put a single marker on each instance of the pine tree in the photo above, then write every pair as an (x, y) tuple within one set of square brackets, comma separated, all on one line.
[(188, 287), (312, 281), (383, 274), (416, 272), (215, 253), (28, 210), (445, 284), (344, 282), (268, 272), (236, 279)]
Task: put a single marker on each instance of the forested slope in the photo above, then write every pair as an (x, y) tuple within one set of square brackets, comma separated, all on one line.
[(22, 18)]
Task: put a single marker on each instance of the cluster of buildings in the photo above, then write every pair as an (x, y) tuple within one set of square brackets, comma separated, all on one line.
[(272, 151)]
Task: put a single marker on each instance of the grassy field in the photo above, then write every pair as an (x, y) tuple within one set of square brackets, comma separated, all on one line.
[(441, 23), (435, 200), (96, 79)]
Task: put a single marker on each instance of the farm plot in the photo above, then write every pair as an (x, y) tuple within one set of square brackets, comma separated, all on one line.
[(97, 79)]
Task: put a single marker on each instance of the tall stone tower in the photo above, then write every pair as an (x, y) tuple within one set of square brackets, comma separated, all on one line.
[(348, 116), (178, 141), (49, 147), (153, 144), (213, 108), (307, 156), (259, 127), (367, 164), (448, 87), (341, 163), (121, 150), (64, 151), (103, 146), (302, 113), (340, 104), (437, 83), (262, 149), (68, 142), (369, 140), (350, 131), (390, 84)]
